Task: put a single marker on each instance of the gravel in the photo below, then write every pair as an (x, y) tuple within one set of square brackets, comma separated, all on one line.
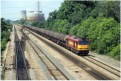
[(73, 69), (110, 61)]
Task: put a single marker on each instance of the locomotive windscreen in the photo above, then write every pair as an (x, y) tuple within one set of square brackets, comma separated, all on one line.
[(84, 42)]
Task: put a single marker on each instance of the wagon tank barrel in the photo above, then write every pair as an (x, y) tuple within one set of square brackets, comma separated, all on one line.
[(56, 35)]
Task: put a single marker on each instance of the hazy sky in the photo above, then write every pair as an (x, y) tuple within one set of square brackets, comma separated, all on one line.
[(11, 9)]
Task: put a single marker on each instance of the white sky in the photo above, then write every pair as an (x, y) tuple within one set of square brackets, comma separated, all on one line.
[(11, 9)]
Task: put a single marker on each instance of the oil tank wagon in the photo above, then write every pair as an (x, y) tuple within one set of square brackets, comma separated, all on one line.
[(77, 45)]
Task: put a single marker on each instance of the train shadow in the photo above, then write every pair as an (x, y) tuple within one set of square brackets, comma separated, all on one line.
[(87, 55)]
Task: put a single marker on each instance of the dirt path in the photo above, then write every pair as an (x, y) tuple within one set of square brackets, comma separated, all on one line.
[(9, 63)]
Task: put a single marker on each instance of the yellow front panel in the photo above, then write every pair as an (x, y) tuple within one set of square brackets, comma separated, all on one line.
[(83, 46)]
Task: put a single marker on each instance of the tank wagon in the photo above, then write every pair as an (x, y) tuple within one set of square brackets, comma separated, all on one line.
[(73, 43)]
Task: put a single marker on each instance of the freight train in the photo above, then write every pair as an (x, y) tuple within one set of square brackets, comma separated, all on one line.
[(73, 43)]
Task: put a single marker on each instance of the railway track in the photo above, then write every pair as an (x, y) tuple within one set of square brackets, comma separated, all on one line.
[(55, 69), (21, 66), (96, 72), (103, 65)]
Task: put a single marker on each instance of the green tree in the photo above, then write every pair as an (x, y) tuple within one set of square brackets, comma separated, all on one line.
[(96, 20), (3, 44), (115, 53), (22, 21), (6, 28), (74, 29)]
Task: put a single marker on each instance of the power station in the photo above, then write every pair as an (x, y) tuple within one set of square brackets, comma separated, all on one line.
[(23, 14), (32, 16)]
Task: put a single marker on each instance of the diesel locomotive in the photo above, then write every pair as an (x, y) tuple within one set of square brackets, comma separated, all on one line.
[(75, 44)]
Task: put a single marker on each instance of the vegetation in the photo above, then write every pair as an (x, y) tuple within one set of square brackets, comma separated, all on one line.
[(99, 21), (6, 28)]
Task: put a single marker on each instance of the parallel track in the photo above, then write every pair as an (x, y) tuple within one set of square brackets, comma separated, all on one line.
[(82, 65), (55, 70), (21, 66), (103, 65)]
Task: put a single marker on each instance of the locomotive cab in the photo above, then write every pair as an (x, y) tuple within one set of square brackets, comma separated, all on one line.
[(78, 45), (83, 46)]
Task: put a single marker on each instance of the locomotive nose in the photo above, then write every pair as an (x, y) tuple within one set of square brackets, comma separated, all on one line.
[(83, 46)]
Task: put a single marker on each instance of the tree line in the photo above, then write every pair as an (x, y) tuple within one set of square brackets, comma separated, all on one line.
[(99, 21), (6, 28)]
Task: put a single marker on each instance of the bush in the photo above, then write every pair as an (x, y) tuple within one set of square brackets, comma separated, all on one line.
[(104, 34), (5, 32), (3, 44), (115, 53)]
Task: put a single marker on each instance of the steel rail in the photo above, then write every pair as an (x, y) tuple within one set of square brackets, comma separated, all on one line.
[(35, 55), (103, 65), (55, 62), (41, 64), (19, 51), (34, 48)]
